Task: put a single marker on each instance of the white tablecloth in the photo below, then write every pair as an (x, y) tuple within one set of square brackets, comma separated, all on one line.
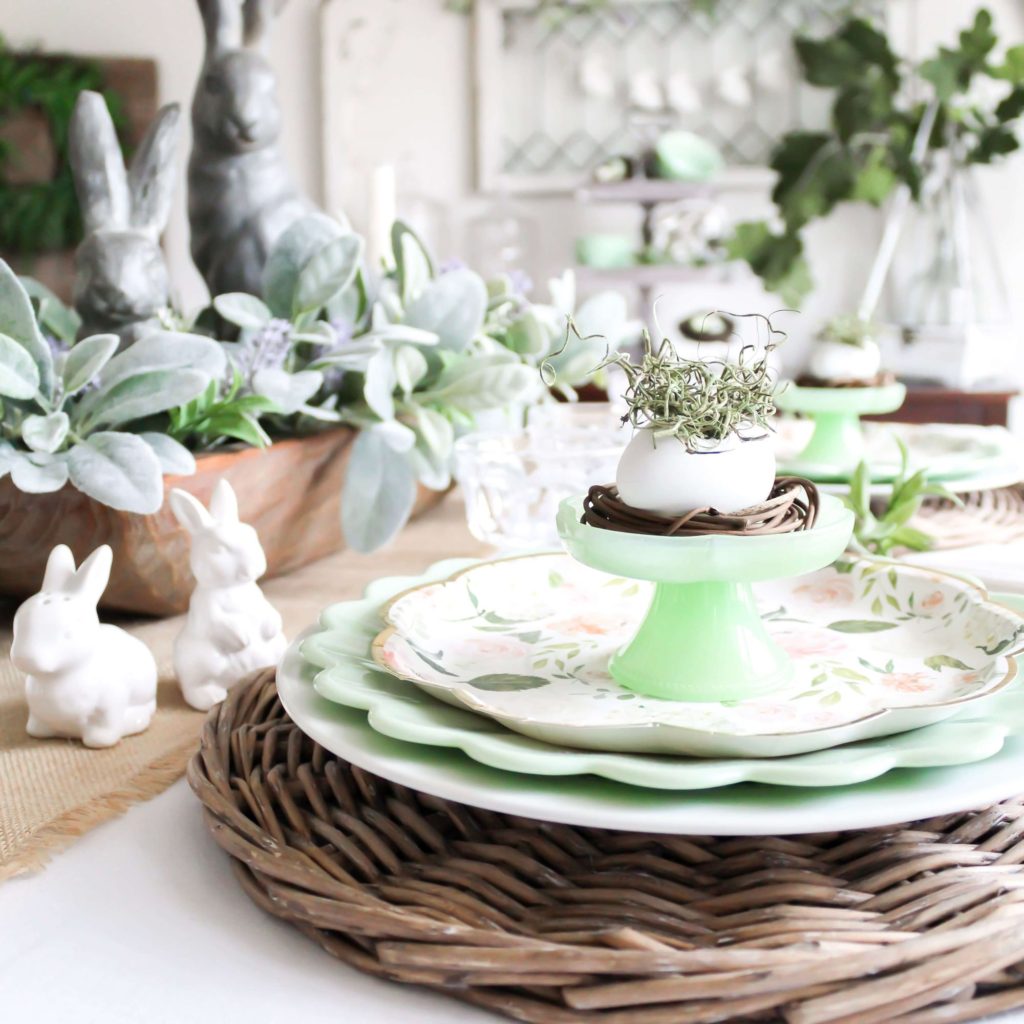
[(143, 922)]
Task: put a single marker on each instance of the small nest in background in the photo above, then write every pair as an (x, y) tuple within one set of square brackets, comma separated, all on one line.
[(880, 380), (792, 506)]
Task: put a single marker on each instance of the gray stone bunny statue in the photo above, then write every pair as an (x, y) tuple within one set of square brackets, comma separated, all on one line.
[(241, 194), (120, 272)]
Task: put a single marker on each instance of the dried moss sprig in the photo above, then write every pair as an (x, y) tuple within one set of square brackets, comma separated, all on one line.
[(699, 401)]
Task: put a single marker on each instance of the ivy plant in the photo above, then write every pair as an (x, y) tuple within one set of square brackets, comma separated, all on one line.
[(880, 101)]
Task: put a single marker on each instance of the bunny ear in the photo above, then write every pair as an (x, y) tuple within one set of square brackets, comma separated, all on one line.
[(93, 574), (60, 568), (151, 176), (224, 503), (97, 164), (222, 20), (189, 511), (258, 15)]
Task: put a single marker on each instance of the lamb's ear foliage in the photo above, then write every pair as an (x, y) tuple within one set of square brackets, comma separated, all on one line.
[(60, 568), (190, 512), (151, 176), (93, 575), (97, 165)]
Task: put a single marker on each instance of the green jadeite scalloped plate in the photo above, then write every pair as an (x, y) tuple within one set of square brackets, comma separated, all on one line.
[(341, 652)]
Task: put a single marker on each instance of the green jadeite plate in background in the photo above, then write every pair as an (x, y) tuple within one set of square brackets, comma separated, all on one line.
[(338, 654), (946, 451)]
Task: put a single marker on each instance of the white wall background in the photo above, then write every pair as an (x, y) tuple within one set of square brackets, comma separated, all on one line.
[(400, 79)]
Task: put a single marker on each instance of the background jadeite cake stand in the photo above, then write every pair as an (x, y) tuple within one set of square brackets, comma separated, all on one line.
[(837, 443), (703, 639)]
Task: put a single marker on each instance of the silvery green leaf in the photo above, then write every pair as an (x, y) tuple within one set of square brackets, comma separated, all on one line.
[(350, 305), (118, 470), (431, 457), (452, 307), (477, 387), (353, 356), (389, 332), (410, 367), (175, 459), (18, 322), (60, 320), (563, 293), (529, 336), (45, 433), (138, 397), (322, 413), (397, 436), (412, 261), (379, 384), (605, 315), (292, 251), (242, 309), (379, 493), (318, 333), (19, 375), (39, 473), (327, 273), (86, 358), (166, 350), (288, 391), (8, 456)]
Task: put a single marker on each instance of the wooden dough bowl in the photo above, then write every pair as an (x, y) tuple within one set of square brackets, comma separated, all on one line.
[(290, 492)]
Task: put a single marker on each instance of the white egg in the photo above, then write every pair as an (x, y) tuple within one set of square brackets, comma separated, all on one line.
[(663, 477), (832, 360)]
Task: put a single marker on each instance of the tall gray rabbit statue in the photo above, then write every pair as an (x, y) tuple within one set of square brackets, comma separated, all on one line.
[(241, 196), (120, 273)]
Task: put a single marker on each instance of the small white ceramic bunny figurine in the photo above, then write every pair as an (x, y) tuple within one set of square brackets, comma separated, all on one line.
[(85, 679), (232, 629)]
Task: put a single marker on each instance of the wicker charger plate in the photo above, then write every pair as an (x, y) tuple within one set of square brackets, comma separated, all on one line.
[(548, 923)]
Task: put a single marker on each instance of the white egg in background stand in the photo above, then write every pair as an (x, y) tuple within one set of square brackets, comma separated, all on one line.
[(662, 476), (834, 360)]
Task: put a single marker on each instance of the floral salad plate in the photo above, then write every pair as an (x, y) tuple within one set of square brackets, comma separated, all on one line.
[(878, 649), (334, 659)]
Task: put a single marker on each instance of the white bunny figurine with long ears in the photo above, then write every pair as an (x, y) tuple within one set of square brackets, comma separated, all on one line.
[(121, 283), (86, 680), (232, 630)]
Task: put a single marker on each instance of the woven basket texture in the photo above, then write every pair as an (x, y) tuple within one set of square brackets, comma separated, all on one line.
[(544, 922)]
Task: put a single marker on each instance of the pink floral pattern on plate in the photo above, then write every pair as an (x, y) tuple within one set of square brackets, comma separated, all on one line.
[(528, 639)]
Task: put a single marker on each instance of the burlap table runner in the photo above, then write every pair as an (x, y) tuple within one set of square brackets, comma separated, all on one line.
[(52, 791)]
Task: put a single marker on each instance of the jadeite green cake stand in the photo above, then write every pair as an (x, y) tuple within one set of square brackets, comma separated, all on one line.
[(837, 443), (703, 639)]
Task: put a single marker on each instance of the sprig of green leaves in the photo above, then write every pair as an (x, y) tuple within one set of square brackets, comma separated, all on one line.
[(881, 530)]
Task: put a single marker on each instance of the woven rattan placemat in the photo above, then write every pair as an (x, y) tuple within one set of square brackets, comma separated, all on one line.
[(542, 922)]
